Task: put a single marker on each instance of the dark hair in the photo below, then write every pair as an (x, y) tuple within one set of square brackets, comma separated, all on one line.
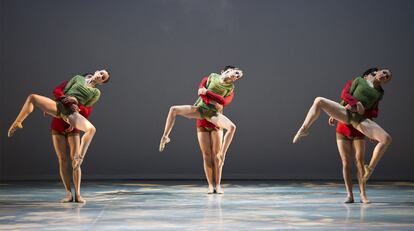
[(227, 67), (370, 71), (109, 76)]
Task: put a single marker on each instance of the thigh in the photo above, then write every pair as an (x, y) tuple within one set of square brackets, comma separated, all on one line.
[(79, 121), (221, 121), (334, 109), (217, 140), (345, 149), (74, 144), (204, 141), (59, 144), (46, 104), (372, 130), (187, 111)]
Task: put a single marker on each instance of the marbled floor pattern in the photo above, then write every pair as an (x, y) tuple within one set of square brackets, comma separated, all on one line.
[(184, 205)]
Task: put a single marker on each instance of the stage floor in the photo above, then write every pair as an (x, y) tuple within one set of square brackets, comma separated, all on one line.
[(184, 205)]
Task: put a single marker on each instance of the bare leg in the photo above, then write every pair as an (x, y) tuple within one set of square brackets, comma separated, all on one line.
[(217, 142), (373, 131), (359, 147), (32, 101), (204, 141), (186, 111), (78, 121), (222, 121), (74, 144), (331, 108), (59, 143), (345, 151)]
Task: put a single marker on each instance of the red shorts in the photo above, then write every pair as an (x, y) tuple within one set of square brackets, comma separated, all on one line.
[(204, 125), (348, 131), (59, 126)]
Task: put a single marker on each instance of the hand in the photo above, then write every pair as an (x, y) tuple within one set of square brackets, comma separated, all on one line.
[(69, 99), (331, 121), (360, 108), (219, 107), (348, 107), (70, 128), (202, 91), (74, 107)]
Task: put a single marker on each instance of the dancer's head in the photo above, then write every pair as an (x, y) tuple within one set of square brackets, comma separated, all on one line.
[(381, 76), (100, 77), (231, 73)]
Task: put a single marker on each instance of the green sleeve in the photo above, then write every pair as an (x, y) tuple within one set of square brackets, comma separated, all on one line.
[(354, 85), (71, 82), (94, 99)]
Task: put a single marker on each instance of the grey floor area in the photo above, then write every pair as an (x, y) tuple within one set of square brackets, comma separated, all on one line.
[(184, 205)]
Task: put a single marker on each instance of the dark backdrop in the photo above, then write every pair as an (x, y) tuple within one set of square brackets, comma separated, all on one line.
[(158, 51)]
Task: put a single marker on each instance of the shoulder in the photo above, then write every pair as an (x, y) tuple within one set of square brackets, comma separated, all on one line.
[(213, 76), (78, 77)]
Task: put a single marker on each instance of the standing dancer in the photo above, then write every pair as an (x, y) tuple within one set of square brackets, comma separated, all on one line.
[(222, 85), (62, 138), (210, 138), (78, 91), (350, 141), (367, 90)]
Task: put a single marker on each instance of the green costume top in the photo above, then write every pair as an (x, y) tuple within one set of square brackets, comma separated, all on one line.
[(85, 95), (364, 93), (214, 85)]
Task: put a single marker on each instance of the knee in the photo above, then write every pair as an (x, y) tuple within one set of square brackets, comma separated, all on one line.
[(318, 101), (346, 165), (387, 139), (31, 97), (207, 157), (173, 110), (232, 128), (91, 130), (63, 161)]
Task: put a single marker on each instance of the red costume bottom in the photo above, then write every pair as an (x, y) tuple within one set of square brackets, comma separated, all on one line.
[(348, 131), (59, 126)]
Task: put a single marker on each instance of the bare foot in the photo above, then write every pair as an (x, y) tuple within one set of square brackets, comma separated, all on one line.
[(79, 199), (210, 189), (164, 140), (367, 172), (68, 198), (349, 199), (364, 199), (301, 133), (16, 125), (219, 190)]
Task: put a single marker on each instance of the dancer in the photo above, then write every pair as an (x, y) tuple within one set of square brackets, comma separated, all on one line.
[(78, 91), (367, 90), (349, 141), (210, 139), (223, 85), (61, 139)]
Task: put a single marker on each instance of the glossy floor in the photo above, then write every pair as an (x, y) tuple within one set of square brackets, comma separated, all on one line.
[(184, 205)]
